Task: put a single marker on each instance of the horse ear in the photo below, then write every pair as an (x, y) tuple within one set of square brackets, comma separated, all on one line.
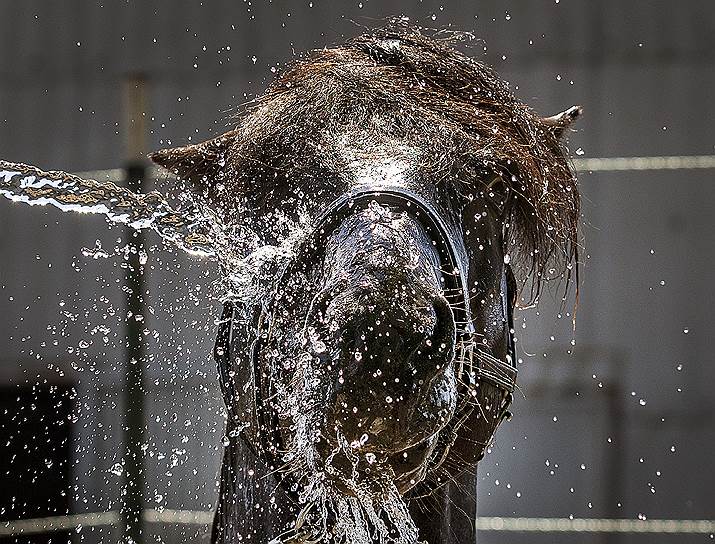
[(561, 121), (198, 163)]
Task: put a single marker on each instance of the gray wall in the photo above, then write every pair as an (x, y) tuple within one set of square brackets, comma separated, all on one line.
[(644, 72)]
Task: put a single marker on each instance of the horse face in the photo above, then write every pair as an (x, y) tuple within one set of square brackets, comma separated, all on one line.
[(360, 357), (389, 336), (354, 350)]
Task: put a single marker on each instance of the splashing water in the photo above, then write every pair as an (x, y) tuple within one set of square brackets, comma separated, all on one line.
[(186, 229), (377, 512), (194, 228)]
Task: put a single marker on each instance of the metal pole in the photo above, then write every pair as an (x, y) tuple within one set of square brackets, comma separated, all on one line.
[(614, 453), (133, 504)]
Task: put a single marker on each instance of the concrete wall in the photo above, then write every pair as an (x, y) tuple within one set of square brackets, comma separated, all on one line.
[(643, 71)]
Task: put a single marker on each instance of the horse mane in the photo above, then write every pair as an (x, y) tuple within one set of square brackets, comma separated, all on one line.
[(399, 84)]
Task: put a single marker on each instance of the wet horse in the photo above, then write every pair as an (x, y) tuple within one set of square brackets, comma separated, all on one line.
[(401, 201), (364, 384)]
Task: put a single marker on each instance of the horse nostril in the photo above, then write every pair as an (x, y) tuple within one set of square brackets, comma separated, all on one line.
[(429, 333)]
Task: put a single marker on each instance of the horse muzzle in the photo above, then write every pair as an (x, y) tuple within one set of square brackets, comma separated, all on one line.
[(391, 367)]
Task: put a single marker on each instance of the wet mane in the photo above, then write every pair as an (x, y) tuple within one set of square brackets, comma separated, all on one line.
[(399, 86)]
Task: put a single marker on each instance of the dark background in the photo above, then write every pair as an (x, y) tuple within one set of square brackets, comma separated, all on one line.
[(619, 425)]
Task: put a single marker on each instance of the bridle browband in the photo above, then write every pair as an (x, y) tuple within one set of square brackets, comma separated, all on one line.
[(258, 424)]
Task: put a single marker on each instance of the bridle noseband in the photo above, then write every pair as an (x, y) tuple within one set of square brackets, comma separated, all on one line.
[(258, 425)]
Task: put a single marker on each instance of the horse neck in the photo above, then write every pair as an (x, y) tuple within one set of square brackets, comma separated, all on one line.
[(252, 504), (448, 515)]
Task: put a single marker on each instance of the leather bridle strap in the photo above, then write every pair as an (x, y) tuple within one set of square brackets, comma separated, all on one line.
[(418, 208)]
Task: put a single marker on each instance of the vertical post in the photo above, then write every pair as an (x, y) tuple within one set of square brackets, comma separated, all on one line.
[(616, 425), (133, 504)]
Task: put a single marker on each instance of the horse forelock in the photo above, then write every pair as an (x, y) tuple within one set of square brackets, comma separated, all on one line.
[(400, 88), (376, 96)]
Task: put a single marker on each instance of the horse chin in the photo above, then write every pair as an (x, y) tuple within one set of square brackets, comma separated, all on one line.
[(352, 473), (357, 453)]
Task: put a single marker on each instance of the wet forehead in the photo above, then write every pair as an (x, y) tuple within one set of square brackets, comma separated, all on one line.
[(385, 163)]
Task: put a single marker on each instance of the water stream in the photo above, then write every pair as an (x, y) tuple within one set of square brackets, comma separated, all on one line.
[(192, 228)]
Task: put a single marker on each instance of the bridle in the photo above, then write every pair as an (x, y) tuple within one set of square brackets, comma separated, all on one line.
[(258, 424)]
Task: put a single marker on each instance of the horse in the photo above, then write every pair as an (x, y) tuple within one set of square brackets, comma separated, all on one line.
[(400, 201), (366, 380)]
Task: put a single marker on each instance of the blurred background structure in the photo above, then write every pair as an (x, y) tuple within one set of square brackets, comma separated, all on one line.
[(619, 425)]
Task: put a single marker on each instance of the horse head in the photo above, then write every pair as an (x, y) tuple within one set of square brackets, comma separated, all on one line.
[(380, 359)]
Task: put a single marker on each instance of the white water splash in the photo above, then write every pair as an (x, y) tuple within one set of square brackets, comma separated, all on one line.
[(190, 230), (247, 266)]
